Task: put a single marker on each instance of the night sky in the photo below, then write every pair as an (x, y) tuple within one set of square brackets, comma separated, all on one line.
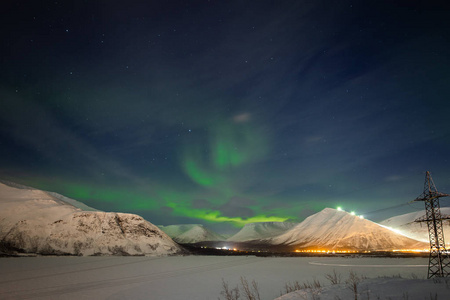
[(227, 112)]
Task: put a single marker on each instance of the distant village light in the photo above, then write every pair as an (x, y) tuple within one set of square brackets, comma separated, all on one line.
[(339, 208), (353, 213)]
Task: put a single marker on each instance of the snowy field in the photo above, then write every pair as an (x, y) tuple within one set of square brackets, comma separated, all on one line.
[(180, 277)]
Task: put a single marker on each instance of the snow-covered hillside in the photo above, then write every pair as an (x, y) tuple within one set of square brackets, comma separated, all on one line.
[(419, 231), (191, 233), (333, 229), (57, 197), (35, 221), (262, 230)]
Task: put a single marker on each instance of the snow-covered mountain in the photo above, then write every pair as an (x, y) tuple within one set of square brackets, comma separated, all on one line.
[(34, 221), (333, 229), (191, 233), (260, 231), (419, 231)]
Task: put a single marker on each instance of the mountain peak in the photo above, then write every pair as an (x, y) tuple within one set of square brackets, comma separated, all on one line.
[(335, 229), (191, 233), (329, 210), (261, 230)]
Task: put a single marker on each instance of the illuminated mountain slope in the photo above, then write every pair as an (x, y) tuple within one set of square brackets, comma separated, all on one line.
[(419, 231), (333, 229)]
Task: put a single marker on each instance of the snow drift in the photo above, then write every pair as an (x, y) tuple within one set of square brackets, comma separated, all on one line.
[(376, 288), (34, 221)]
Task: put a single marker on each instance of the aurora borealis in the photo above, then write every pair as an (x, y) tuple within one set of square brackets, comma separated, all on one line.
[(227, 112)]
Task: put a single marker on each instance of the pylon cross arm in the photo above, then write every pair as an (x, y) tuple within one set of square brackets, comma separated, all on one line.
[(425, 219)]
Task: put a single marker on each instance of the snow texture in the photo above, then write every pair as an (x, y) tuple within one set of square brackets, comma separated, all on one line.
[(338, 230), (194, 277), (191, 233), (34, 221)]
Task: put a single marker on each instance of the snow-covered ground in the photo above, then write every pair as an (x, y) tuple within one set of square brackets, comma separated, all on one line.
[(195, 277), (379, 288)]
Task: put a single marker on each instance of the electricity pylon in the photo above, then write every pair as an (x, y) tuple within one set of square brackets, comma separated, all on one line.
[(439, 263)]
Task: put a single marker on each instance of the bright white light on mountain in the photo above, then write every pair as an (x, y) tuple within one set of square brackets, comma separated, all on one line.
[(361, 217), (339, 208), (353, 213), (392, 229)]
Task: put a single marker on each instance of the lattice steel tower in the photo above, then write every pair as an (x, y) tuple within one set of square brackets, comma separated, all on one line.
[(439, 263)]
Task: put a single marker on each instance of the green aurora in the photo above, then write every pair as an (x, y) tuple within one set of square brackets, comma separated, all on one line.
[(122, 199), (231, 147)]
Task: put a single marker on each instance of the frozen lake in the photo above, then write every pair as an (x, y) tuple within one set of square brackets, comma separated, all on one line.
[(178, 277)]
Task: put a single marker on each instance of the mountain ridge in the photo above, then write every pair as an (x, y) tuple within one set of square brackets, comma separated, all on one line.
[(190, 233), (260, 230), (34, 221)]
